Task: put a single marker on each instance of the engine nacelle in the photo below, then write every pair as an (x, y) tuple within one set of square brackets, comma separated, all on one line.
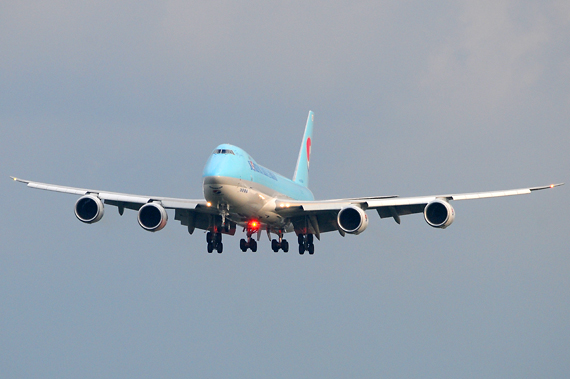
[(439, 214), (352, 220), (89, 209), (152, 217)]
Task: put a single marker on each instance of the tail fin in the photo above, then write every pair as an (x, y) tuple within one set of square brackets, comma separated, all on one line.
[(301, 175)]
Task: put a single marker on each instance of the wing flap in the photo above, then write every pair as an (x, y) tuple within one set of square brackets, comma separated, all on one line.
[(400, 210), (315, 222), (122, 205)]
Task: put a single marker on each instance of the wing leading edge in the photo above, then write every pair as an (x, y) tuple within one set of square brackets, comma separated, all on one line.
[(113, 198), (322, 214), (193, 213)]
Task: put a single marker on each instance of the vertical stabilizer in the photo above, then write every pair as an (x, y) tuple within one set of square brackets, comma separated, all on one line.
[(301, 175)]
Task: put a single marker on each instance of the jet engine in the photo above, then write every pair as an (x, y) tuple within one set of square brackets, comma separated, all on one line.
[(439, 214), (89, 209), (152, 217), (352, 220)]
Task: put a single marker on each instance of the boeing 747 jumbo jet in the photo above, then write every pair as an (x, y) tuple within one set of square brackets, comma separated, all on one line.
[(239, 192)]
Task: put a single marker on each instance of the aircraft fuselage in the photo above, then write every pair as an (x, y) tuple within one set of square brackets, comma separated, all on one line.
[(233, 181)]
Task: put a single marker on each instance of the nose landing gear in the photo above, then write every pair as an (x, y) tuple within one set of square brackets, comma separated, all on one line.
[(249, 244), (252, 227)]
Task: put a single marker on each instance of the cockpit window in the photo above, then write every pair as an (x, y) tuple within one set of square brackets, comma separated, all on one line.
[(224, 151)]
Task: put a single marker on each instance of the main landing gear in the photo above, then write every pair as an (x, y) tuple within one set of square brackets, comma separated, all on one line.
[(214, 242), (306, 244), (282, 244)]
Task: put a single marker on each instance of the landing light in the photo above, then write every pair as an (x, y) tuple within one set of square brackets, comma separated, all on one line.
[(253, 225), (552, 186), (208, 204)]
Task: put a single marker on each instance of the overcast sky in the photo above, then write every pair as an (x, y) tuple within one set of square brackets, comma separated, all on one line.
[(410, 98)]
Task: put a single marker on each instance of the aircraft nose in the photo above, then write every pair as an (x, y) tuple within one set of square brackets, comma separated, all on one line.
[(213, 167), (222, 165), (213, 180)]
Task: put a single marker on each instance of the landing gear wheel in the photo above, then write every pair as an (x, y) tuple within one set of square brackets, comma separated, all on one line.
[(210, 247), (301, 239), (220, 248), (301, 249), (311, 249), (209, 237), (253, 245), (275, 246), (243, 245), (285, 246)]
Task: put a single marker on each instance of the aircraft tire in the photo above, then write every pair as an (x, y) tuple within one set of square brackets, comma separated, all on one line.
[(301, 249), (275, 245), (210, 247), (311, 249), (253, 245), (220, 248), (285, 246)]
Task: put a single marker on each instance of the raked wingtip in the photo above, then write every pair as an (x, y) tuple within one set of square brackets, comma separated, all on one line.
[(19, 180)]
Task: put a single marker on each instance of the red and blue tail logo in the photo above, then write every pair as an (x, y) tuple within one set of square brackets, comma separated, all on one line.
[(301, 175), (308, 142)]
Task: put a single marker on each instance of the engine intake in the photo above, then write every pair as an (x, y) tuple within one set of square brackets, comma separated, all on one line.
[(89, 209), (152, 217), (439, 214), (352, 220)]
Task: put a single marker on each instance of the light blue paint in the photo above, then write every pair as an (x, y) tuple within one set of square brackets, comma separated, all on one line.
[(301, 175), (238, 166)]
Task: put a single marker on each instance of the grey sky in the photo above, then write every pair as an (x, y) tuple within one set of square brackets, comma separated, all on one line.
[(410, 98)]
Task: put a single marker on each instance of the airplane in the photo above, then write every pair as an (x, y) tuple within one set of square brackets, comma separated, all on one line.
[(239, 192)]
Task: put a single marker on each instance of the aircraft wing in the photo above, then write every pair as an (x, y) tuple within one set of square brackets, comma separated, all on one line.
[(320, 216), (114, 198), (194, 213)]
